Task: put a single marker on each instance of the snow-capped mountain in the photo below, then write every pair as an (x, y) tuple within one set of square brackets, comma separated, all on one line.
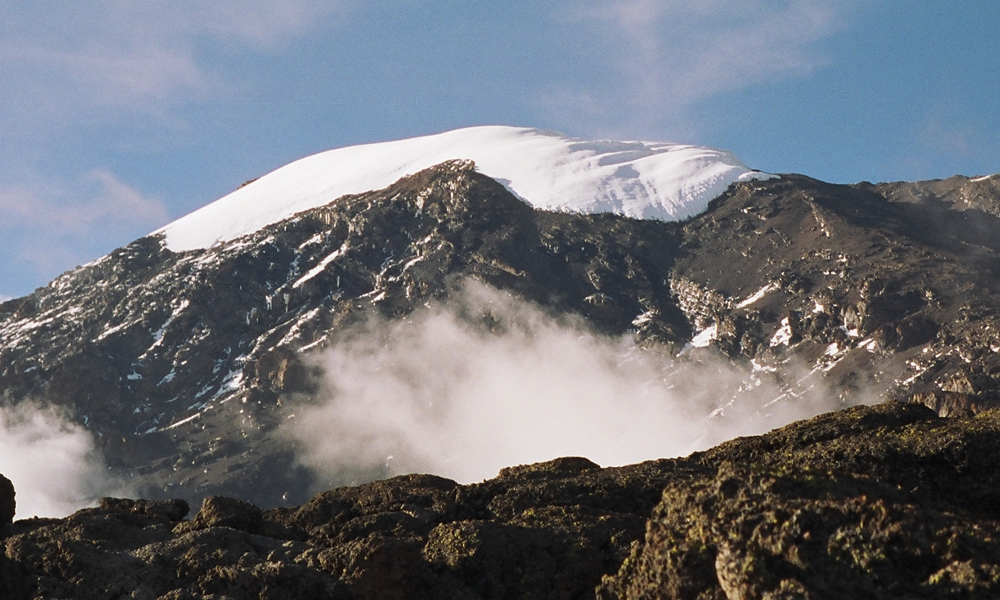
[(549, 171), (184, 351)]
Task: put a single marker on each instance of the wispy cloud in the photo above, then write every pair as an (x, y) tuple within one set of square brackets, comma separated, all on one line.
[(54, 226), (110, 76), (939, 135), (669, 54), (132, 55)]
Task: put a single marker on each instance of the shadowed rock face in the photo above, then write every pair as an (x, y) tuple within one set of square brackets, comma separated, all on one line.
[(883, 502), (544, 530), (7, 502)]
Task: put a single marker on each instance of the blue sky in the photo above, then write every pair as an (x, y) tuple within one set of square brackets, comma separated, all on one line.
[(118, 117)]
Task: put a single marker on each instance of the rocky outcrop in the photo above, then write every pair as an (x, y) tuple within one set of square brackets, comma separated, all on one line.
[(890, 501), (546, 530), (883, 502), (218, 511), (8, 505)]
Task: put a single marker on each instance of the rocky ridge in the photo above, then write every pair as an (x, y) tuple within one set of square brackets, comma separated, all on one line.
[(883, 502)]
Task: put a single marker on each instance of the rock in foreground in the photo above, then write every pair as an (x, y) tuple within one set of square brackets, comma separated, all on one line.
[(883, 502), (7, 502), (544, 530)]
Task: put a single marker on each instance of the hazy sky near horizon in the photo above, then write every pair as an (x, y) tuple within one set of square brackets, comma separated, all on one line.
[(118, 117)]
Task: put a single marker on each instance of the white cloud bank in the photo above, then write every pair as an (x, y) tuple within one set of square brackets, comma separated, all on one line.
[(439, 393), (52, 463)]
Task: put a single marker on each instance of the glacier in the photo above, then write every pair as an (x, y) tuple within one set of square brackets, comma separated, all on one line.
[(548, 170)]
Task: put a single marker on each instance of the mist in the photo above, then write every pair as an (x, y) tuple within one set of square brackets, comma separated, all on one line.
[(488, 380), (52, 462)]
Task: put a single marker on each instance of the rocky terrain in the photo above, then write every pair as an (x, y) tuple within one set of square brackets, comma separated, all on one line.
[(883, 502), (890, 501), (182, 364)]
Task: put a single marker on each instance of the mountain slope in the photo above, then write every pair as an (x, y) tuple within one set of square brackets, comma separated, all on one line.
[(185, 363), (183, 348)]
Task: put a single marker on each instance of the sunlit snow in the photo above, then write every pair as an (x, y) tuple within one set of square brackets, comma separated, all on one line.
[(648, 180), (783, 336), (758, 295), (705, 337)]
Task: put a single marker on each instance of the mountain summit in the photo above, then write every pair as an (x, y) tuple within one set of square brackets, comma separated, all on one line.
[(549, 171)]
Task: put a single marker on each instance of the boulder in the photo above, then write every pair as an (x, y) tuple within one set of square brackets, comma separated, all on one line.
[(7, 504), (219, 511), (170, 510), (882, 502)]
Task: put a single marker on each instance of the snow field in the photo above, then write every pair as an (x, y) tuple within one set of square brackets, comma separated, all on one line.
[(646, 180)]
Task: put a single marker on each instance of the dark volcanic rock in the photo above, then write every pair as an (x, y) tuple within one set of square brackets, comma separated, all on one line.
[(8, 504), (884, 502), (172, 510), (549, 530), (217, 511), (886, 292)]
